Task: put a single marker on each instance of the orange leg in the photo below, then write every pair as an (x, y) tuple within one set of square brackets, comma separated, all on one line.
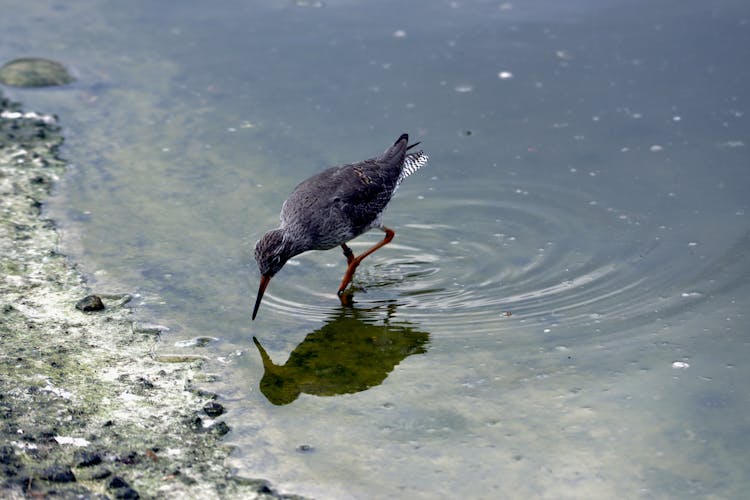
[(354, 262), (348, 253)]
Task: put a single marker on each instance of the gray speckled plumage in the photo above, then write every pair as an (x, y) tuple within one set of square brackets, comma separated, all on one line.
[(335, 206)]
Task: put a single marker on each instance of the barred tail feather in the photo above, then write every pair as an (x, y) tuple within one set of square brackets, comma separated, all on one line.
[(412, 163)]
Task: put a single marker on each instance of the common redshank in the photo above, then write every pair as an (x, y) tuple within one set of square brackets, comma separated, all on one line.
[(335, 206)]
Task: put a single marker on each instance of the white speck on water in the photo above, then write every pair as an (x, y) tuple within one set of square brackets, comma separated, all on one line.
[(231, 129), (420, 197), (688, 295), (399, 34), (732, 144), (680, 365), (656, 148), (676, 118), (462, 89), (693, 244), (573, 170), (561, 348), (505, 75), (547, 330), (739, 212), (293, 262)]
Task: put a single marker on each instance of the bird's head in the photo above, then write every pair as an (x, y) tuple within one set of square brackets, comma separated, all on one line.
[(271, 253)]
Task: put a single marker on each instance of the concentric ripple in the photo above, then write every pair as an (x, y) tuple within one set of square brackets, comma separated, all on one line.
[(536, 254)]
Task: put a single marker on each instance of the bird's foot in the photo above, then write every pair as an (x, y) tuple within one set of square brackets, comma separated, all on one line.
[(346, 298)]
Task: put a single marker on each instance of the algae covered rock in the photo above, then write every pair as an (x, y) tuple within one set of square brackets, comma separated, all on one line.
[(34, 72)]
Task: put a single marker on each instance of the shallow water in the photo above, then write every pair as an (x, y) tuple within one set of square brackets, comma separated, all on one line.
[(563, 310)]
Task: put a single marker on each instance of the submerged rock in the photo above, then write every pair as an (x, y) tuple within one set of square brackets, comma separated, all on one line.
[(34, 72)]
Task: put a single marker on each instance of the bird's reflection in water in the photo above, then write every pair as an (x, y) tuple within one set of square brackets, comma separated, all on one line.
[(356, 349)]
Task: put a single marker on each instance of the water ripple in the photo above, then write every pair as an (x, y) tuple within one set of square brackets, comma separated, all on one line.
[(537, 254)]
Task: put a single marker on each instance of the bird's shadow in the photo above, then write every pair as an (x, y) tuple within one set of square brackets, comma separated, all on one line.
[(354, 350)]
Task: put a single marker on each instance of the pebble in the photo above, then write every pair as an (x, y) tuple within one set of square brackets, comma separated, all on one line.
[(117, 482), (58, 474), (90, 303), (213, 409)]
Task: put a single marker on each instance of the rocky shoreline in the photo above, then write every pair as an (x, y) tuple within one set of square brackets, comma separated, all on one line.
[(87, 409)]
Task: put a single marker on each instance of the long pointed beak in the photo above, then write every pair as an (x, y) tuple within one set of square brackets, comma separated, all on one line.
[(264, 281), (263, 355)]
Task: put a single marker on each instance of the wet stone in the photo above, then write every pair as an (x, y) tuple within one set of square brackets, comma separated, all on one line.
[(220, 428), (121, 489), (34, 72), (127, 493), (116, 483), (85, 458), (265, 489), (90, 303), (129, 459), (7, 455), (58, 474), (213, 409), (101, 474)]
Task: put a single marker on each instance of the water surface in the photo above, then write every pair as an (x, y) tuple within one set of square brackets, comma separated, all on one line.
[(563, 310)]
